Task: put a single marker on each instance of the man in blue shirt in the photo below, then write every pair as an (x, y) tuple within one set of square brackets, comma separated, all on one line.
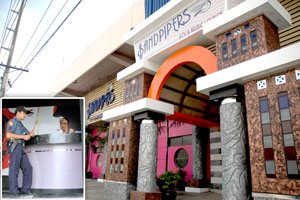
[(17, 134)]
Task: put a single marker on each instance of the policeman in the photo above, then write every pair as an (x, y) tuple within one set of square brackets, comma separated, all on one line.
[(17, 133)]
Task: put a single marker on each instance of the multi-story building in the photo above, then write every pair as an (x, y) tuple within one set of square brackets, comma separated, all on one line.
[(210, 87)]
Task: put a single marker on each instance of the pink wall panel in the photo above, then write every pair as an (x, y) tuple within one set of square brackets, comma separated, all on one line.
[(175, 131), (171, 161), (94, 168), (93, 161)]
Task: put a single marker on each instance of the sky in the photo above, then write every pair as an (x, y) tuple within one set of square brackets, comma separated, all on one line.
[(85, 25)]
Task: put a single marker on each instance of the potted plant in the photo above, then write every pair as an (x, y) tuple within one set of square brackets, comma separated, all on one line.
[(167, 182), (181, 183)]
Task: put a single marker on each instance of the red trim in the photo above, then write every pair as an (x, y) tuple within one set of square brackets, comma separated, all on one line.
[(193, 120), (5, 155)]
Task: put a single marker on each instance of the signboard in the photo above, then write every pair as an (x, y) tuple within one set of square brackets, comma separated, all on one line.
[(97, 104), (188, 21)]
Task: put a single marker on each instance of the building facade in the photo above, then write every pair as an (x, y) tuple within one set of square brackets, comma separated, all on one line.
[(210, 87)]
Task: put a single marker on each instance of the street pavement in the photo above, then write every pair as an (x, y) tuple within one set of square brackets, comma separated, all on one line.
[(95, 191)]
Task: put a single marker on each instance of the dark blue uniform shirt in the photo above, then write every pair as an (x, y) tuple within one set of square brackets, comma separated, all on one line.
[(16, 126)]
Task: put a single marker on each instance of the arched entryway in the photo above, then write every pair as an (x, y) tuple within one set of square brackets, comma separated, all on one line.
[(175, 83)]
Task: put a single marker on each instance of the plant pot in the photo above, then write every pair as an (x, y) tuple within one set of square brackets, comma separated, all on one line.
[(168, 194)]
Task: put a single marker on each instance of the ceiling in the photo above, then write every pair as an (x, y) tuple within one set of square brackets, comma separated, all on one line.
[(180, 90), (101, 73)]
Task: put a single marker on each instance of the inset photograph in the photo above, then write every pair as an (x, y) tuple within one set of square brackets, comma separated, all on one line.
[(42, 148)]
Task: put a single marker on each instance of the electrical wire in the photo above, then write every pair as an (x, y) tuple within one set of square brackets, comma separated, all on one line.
[(5, 36), (44, 33), (33, 33), (5, 29), (11, 19), (27, 66), (6, 21)]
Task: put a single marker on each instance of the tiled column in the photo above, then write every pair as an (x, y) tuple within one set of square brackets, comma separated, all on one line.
[(199, 180), (198, 168), (147, 164), (233, 134)]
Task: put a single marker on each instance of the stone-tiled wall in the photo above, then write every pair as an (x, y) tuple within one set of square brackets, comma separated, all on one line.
[(260, 183), (216, 160), (129, 160), (137, 87), (267, 40)]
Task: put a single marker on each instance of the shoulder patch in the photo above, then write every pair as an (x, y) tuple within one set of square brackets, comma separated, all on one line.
[(11, 123)]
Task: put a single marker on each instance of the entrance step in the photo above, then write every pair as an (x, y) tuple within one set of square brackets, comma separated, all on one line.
[(196, 190)]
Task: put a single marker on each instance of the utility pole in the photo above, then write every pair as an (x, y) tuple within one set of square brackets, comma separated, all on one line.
[(11, 51)]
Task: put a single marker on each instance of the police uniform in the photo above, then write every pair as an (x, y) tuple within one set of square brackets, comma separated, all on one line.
[(18, 159)]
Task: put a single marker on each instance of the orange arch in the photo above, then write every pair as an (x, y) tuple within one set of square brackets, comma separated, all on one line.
[(196, 54)]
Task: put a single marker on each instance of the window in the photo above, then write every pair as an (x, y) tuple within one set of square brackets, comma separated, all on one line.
[(254, 40), (181, 158), (244, 44), (178, 141), (151, 6), (123, 138), (225, 52), (267, 137), (99, 161), (233, 48), (288, 137)]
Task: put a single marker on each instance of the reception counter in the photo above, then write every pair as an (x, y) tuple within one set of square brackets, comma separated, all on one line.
[(57, 161)]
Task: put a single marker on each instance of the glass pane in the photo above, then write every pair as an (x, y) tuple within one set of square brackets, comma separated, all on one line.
[(116, 167), (187, 140), (233, 48), (138, 89), (286, 127), (269, 155), (110, 168), (288, 140), (290, 153), (285, 114), (117, 154), (99, 161), (254, 39), (292, 167), (267, 142), (266, 128), (126, 93), (225, 51), (175, 141), (181, 158), (123, 140), (112, 154), (265, 118), (122, 168), (123, 153), (270, 167), (264, 106), (283, 102), (134, 90)]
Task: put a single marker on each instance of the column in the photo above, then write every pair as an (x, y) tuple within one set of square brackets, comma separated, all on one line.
[(147, 157), (198, 169), (234, 162), (147, 164)]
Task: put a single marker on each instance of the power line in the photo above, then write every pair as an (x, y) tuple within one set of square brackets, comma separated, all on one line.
[(27, 66), (11, 51), (8, 27), (45, 33), (6, 21), (34, 33)]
